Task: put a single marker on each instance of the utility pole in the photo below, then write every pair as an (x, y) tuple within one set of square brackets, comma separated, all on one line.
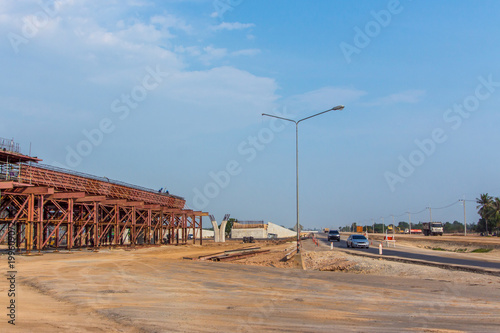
[(409, 220), (393, 225), (430, 212), (383, 225), (465, 221), (373, 226)]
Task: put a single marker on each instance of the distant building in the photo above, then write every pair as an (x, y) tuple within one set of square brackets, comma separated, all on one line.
[(206, 233), (259, 229)]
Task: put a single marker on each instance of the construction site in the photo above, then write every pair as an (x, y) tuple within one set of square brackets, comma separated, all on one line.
[(130, 280), (48, 208)]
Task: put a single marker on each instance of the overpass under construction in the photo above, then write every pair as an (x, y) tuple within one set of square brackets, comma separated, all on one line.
[(43, 207)]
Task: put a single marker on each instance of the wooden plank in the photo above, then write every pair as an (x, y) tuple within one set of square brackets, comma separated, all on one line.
[(6, 185), (134, 203), (198, 213), (67, 195), (37, 190), (22, 185), (114, 202), (92, 198), (171, 210), (237, 256), (229, 253), (154, 207)]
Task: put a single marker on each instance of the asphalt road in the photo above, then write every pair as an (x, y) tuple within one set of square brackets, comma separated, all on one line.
[(408, 254)]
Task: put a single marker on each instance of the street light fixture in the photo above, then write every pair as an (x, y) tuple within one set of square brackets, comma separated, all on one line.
[(335, 108)]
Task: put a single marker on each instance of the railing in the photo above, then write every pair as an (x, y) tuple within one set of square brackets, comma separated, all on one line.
[(103, 179), (66, 180), (249, 225), (9, 144), (9, 171)]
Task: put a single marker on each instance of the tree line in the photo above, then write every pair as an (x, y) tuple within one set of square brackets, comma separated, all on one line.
[(488, 208), (489, 211), (448, 227)]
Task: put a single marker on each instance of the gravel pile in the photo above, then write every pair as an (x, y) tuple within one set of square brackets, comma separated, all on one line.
[(344, 262)]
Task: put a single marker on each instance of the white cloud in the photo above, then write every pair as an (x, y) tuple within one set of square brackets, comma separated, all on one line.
[(213, 100), (171, 21), (189, 50), (211, 54), (141, 33), (91, 54), (233, 26)]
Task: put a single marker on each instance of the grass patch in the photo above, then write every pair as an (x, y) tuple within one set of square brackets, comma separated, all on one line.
[(461, 250), (481, 250), (438, 249)]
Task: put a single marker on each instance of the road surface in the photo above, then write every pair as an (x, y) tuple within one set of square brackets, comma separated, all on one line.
[(444, 257)]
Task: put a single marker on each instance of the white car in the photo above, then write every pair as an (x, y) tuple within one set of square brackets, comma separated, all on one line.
[(358, 241)]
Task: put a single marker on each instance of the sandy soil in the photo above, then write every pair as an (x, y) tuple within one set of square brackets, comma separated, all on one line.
[(155, 290)]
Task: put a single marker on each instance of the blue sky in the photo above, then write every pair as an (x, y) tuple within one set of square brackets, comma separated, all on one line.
[(170, 94)]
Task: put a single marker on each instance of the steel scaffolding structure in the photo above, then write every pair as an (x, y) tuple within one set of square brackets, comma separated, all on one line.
[(46, 207)]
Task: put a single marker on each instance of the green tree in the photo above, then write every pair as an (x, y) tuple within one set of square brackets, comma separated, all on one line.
[(495, 212), (229, 226), (457, 227), (378, 228), (484, 209), (403, 225)]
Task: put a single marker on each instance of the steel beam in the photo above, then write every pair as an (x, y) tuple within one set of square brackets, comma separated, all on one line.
[(92, 198), (37, 190), (66, 195)]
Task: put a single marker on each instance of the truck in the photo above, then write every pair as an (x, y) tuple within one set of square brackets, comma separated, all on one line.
[(432, 228)]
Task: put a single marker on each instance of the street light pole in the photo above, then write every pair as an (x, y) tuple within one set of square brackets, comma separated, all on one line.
[(297, 182), (335, 108)]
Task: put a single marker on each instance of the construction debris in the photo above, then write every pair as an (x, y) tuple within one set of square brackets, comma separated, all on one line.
[(289, 255), (231, 254)]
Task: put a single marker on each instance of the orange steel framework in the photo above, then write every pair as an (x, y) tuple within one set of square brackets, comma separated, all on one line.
[(46, 207)]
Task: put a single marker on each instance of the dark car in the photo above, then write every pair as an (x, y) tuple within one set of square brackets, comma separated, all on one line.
[(357, 241), (333, 235)]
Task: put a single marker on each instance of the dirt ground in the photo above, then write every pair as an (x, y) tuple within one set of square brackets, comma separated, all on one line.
[(156, 290)]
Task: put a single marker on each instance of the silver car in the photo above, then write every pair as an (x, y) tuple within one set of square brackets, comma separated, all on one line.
[(357, 241)]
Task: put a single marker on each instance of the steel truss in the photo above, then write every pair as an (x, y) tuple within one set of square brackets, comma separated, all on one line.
[(44, 221), (49, 209)]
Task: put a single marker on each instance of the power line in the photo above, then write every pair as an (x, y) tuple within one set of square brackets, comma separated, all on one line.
[(423, 210), (452, 204)]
